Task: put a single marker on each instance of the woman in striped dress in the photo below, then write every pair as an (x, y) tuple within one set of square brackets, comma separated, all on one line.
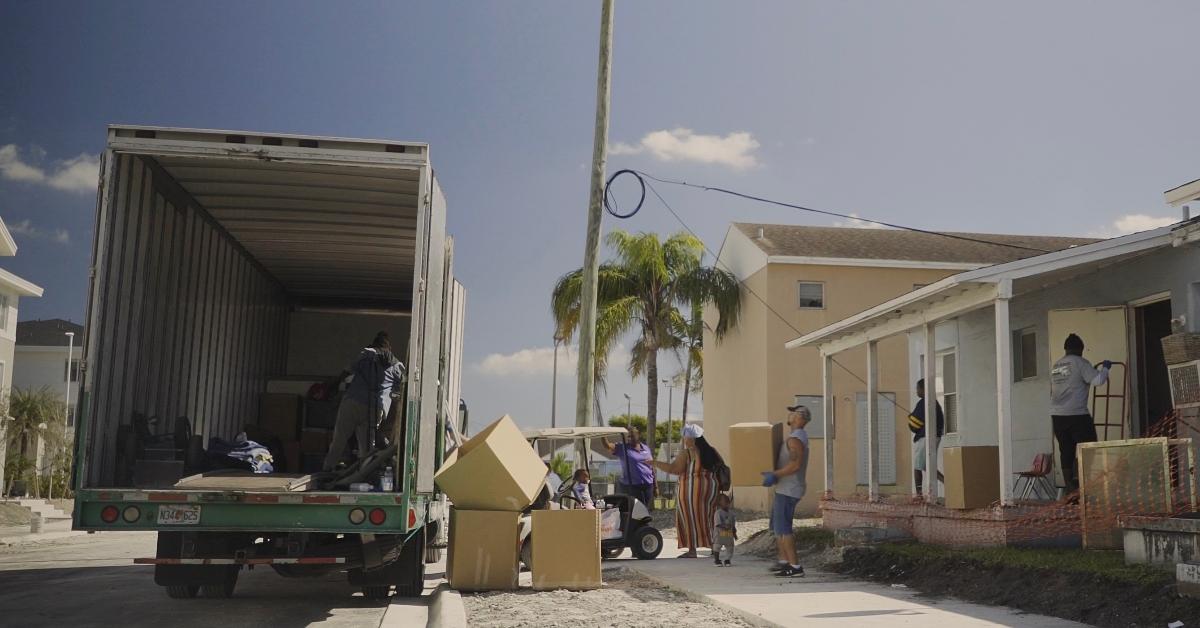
[(696, 496)]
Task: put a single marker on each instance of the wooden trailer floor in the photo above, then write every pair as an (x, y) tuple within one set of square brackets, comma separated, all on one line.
[(247, 481)]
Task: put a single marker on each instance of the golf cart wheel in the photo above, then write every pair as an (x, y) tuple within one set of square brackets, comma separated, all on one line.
[(376, 592), (182, 591), (527, 554), (647, 543), (611, 552)]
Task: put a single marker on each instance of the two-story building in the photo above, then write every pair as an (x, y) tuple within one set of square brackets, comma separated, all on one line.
[(12, 288), (47, 356), (797, 279)]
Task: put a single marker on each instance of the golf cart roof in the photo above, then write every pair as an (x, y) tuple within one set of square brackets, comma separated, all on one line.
[(572, 433)]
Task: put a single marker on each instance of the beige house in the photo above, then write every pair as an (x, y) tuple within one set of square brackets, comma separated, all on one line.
[(806, 278)]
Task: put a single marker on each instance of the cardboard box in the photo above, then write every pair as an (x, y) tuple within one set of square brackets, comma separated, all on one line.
[(752, 450), (494, 470), (484, 550), (566, 550), (279, 415), (315, 441), (972, 476), (753, 498)]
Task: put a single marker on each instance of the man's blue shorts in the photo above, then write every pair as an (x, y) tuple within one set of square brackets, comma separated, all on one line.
[(782, 513)]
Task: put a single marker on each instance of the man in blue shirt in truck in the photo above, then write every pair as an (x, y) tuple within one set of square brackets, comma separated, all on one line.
[(377, 378)]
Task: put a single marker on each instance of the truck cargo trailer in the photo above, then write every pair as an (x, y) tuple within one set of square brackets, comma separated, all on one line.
[(234, 277)]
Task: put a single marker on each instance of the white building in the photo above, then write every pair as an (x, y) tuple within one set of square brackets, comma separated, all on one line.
[(12, 288), (41, 359)]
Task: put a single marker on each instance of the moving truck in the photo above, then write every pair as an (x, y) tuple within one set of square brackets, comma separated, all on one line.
[(234, 274)]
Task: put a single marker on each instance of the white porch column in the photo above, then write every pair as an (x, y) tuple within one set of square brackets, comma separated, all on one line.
[(930, 480), (873, 420), (827, 418), (1004, 378)]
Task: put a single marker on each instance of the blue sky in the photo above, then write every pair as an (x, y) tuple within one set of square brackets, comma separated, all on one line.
[(1018, 117)]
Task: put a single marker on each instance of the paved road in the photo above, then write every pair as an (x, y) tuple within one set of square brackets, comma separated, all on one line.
[(89, 581)]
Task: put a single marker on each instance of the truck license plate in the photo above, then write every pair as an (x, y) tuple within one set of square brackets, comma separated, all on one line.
[(179, 515)]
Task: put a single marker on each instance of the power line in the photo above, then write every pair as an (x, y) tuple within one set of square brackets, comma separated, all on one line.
[(760, 299), (610, 206)]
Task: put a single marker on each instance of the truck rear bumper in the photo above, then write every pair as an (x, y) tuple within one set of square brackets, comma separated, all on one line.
[(199, 511)]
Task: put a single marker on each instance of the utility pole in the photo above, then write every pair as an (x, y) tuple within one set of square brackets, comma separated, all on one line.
[(670, 408), (554, 384), (586, 386)]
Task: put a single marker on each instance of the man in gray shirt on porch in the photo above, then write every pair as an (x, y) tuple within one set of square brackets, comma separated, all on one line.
[(1071, 381)]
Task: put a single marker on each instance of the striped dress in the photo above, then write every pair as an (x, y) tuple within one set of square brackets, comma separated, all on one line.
[(695, 505)]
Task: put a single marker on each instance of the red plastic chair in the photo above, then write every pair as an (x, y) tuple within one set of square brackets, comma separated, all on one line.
[(1036, 479)]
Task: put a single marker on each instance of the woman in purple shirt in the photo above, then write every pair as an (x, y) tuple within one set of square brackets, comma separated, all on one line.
[(637, 476)]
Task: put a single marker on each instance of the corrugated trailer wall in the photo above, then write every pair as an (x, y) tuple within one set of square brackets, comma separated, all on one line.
[(182, 322)]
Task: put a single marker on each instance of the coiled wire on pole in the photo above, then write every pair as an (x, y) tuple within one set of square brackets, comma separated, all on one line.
[(610, 204)]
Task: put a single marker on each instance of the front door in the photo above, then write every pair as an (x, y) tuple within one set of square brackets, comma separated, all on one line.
[(1152, 322)]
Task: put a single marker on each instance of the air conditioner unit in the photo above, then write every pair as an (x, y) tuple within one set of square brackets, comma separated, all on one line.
[(1185, 384)]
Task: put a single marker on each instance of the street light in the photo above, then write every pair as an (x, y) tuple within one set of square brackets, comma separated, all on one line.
[(558, 338), (628, 410), (67, 406)]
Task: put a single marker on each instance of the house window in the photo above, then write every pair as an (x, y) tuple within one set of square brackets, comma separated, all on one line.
[(3, 312), (1024, 353), (71, 370), (811, 295), (947, 388), (816, 406)]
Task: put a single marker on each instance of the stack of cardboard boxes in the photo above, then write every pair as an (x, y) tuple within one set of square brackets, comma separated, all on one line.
[(283, 416), (752, 450), (489, 480)]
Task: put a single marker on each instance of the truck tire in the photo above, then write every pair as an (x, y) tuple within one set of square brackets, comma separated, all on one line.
[(223, 589), (406, 573), (376, 592), (182, 592)]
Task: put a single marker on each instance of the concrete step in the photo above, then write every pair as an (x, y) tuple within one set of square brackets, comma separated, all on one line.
[(48, 511)]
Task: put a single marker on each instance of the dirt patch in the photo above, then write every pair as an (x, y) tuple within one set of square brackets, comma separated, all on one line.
[(13, 515), (627, 599), (1086, 587)]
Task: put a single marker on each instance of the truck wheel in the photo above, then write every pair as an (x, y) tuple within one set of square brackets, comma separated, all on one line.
[(182, 592), (223, 589), (412, 567), (376, 592), (646, 543)]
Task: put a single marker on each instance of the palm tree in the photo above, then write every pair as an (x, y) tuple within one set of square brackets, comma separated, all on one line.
[(35, 413), (643, 289), (692, 340)]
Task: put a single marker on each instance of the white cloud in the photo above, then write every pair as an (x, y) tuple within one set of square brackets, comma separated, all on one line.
[(77, 174), (1132, 223), (854, 222), (735, 150), (28, 229), (540, 361)]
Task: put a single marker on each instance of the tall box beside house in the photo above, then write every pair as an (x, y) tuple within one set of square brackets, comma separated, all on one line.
[(566, 550), (484, 550), (279, 415), (972, 476), (752, 450), (494, 470)]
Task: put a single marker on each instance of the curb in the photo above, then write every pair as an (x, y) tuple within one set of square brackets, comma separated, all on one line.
[(753, 619), (34, 539), (446, 609)]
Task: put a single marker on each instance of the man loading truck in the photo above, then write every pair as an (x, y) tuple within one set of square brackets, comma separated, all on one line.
[(377, 380)]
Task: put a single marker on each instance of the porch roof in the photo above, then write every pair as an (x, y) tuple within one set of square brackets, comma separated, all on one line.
[(967, 291)]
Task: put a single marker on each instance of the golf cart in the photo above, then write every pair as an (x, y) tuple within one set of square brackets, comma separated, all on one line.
[(636, 531)]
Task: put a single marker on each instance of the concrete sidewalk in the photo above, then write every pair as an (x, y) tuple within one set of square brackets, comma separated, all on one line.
[(821, 599)]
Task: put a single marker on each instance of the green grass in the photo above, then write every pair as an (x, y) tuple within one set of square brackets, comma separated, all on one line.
[(1106, 564), (813, 537)]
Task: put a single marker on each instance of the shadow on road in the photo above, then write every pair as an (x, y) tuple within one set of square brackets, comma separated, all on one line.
[(108, 596)]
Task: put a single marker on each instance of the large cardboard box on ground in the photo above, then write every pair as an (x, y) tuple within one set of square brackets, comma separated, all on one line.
[(752, 450), (484, 550), (753, 498), (566, 550), (972, 476), (494, 470), (279, 415)]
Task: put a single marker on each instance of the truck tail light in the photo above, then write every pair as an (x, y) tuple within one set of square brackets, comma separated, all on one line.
[(357, 516), (109, 514), (131, 514), (378, 516)]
